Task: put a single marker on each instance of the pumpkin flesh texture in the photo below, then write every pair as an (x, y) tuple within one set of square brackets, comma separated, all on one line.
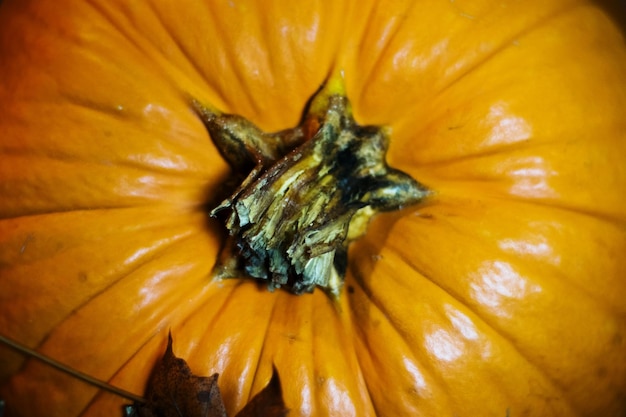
[(503, 293)]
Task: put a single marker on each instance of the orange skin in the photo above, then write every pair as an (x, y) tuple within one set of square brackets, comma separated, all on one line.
[(502, 295)]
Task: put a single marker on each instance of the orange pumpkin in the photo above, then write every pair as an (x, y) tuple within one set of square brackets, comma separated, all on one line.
[(501, 295)]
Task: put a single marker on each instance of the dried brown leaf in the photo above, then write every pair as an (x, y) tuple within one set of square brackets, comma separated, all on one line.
[(174, 391), (268, 402)]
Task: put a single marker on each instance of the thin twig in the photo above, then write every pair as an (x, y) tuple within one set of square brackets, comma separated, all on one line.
[(73, 372)]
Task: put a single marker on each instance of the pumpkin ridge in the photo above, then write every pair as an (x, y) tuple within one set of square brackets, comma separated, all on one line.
[(169, 67), (142, 45), (111, 380), (176, 41), (497, 336), (236, 69), (554, 270), (232, 393), (374, 68), (502, 149), (126, 31), (259, 364), (320, 329), (610, 218), (209, 299), (368, 387), (361, 336), (111, 284), (130, 163), (506, 42), (523, 348)]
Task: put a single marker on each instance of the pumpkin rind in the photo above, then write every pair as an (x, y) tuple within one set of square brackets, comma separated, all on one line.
[(502, 296)]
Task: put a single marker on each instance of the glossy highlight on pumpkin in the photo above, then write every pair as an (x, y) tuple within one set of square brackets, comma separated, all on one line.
[(502, 296)]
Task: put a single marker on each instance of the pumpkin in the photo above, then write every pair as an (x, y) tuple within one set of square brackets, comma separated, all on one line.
[(501, 294)]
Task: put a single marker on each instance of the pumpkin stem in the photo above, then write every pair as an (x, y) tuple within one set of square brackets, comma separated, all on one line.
[(309, 191)]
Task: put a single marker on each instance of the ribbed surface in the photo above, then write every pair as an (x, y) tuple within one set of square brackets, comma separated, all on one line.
[(502, 296)]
